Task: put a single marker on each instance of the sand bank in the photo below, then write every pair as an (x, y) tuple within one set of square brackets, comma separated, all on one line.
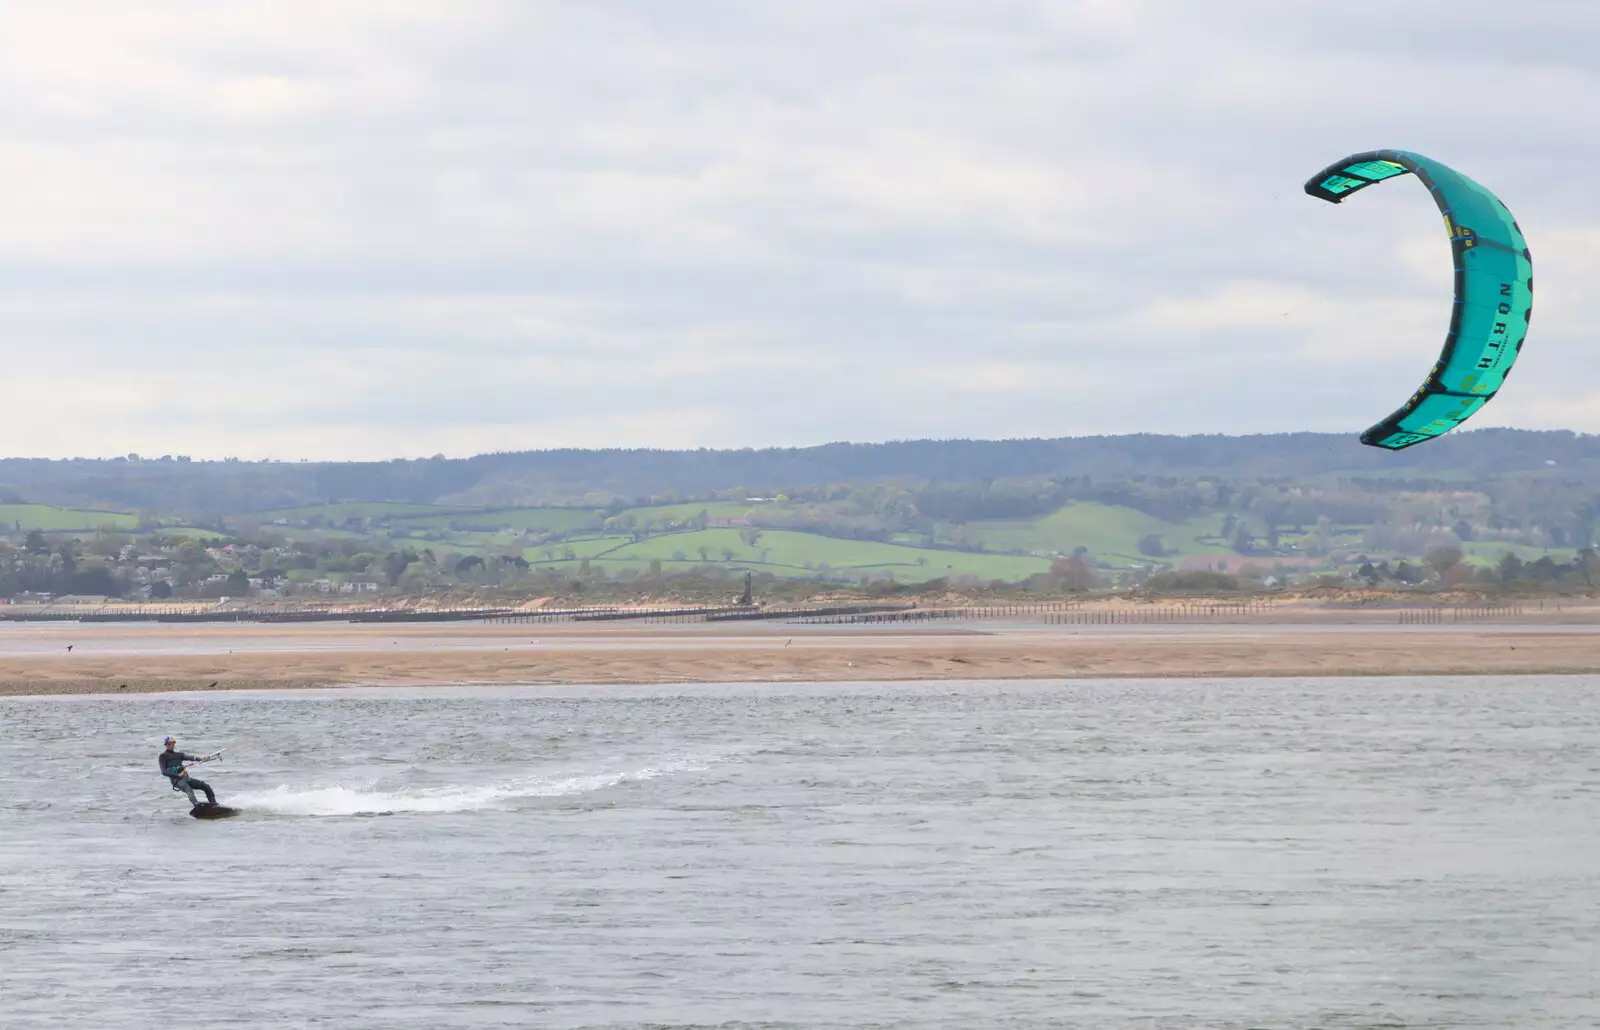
[(34, 660)]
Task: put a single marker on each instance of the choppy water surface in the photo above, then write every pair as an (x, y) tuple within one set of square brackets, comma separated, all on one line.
[(1373, 853)]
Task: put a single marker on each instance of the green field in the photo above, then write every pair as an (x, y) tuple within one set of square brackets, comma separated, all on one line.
[(335, 514), (1012, 549), (1110, 532), (438, 517), (324, 533), (1488, 552), (714, 509), (459, 539), (191, 532), (797, 555), (50, 519), (548, 520), (582, 547)]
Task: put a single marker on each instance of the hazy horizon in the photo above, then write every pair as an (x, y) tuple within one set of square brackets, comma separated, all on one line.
[(1349, 438)]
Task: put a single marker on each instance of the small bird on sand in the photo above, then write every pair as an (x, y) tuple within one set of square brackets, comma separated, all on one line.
[(69, 648), (211, 684)]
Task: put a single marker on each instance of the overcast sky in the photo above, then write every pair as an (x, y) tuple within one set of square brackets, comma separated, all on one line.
[(352, 229)]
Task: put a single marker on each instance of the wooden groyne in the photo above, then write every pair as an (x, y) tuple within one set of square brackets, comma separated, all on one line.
[(1459, 613)]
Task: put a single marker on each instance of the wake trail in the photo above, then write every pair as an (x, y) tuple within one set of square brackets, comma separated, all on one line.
[(370, 800)]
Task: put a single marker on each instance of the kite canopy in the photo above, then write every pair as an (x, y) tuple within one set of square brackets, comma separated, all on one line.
[(1494, 292)]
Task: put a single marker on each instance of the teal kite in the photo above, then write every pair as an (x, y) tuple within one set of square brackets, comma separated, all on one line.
[(1494, 292)]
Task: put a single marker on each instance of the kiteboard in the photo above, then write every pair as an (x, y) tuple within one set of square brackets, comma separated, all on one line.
[(210, 810)]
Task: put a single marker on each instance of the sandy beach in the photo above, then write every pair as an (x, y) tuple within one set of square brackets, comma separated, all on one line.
[(35, 659)]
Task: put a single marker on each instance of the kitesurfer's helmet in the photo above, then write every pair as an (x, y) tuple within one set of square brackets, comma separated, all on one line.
[(170, 740)]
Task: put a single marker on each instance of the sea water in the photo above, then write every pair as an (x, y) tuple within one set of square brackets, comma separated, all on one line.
[(1101, 854)]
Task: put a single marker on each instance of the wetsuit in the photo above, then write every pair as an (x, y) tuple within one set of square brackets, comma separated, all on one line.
[(172, 769)]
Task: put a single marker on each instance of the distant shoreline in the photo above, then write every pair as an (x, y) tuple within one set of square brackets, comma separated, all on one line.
[(117, 659)]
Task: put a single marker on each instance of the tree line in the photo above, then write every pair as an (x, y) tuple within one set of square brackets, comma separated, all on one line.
[(598, 477)]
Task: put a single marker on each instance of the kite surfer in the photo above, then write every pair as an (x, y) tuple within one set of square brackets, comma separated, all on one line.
[(173, 769)]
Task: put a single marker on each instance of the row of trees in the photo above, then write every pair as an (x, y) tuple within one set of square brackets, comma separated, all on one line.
[(1444, 564)]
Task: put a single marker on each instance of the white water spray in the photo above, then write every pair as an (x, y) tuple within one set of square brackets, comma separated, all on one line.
[(373, 800)]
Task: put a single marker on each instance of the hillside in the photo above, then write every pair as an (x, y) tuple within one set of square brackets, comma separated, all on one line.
[(1493, 507), (572, 478)]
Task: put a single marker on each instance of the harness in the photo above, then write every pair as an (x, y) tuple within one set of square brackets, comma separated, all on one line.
[(174, 771)]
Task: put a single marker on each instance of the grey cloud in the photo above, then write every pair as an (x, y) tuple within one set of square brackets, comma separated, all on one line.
[(619, 223)]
